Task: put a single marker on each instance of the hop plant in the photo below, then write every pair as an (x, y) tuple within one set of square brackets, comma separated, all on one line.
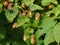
[(29, 22)]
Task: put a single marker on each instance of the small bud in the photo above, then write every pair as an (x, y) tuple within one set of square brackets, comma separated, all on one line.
[(23, 5), (9, 7), (29, 13), (37, 16), (24, 37), (14, 25), (24, 13), (48, 14), (50, 6), (32, 39), (5, 3)]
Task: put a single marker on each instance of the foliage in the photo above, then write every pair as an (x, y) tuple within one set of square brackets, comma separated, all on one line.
[(29, 22)]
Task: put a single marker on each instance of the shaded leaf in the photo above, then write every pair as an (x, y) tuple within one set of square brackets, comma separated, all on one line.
[(49, 38), (2, 31), (22, 20), (11, 15), (48, 22), (46, 25), (40, 42), (28, 2), (56, 32), (55, 10), (47, 2), (34, 7)]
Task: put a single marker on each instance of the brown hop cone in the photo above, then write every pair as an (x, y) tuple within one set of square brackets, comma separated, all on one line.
[(14, 25), (24, 37), (23, 5), (50, 6), (10, 6), (29, 13), (32, 39), (24, 14), (5, 3), (37, 16), (48, 14)]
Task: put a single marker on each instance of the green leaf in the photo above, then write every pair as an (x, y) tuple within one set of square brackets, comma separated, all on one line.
[(28, 41), (40, 42), (22, 20), (48, 23), (55, 10), (28, 31), (34, 7), (48, 38), (11, 15), (40, 32), (16, 0), (47, 2), (28, 2), (35, 23), (1, 5), (56, 32)]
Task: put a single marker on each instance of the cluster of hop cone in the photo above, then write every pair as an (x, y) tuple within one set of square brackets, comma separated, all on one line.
[(9, 6)]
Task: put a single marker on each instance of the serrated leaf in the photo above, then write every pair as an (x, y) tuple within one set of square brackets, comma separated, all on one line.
[(46, 25), (56, 32), (39, 42), (55, 10), (28, 2), (40, 32), (11, 15), (48, 22), (31, 5), (21, 21), (48, 38), (34, 7), (47, 2)]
